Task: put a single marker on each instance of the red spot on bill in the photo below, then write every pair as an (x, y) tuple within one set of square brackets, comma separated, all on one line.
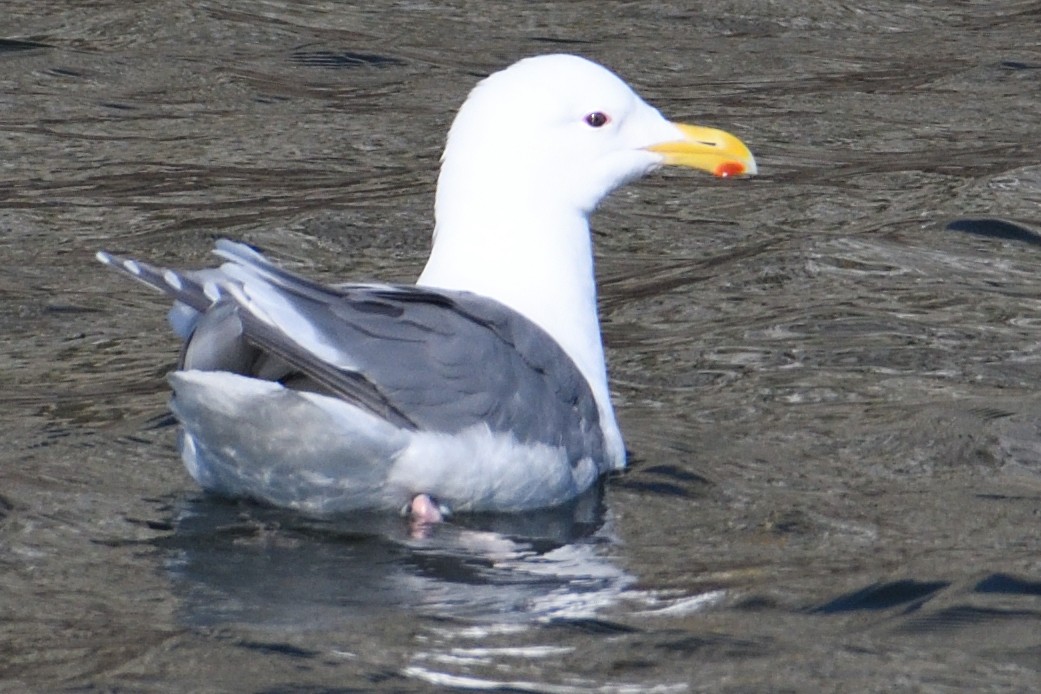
[(729, 168)]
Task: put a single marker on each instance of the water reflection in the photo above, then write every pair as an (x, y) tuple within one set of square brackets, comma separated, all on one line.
[(247, 565)]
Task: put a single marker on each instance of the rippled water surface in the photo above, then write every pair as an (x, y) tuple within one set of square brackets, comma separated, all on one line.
[(829, 395)]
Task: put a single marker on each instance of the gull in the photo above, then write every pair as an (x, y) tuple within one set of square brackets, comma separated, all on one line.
[(483, 387)]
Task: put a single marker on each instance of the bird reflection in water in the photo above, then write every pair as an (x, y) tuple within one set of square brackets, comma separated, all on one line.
[(247, 564)]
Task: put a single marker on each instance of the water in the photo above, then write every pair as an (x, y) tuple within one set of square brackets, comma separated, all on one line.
[(830, 398)]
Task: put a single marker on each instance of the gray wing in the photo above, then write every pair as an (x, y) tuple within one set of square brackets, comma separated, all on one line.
[(422, 359)]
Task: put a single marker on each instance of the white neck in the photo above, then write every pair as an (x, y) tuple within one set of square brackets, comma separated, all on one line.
[(536, 259)]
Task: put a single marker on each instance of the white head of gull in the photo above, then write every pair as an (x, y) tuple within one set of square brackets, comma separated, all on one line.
[(482, 388)]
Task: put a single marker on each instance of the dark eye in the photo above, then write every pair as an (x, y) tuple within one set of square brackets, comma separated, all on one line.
[(597, 119)]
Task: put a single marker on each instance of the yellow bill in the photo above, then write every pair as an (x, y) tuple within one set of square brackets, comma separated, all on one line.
[(708, 149)]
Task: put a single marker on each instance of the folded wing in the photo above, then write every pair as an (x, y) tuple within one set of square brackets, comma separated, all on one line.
[(420, 359)]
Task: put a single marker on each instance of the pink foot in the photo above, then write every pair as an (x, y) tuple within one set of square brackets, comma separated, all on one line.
[(423, 512), (423, 509)]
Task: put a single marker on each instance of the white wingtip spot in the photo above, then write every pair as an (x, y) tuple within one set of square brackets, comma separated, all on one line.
[(132, 267), (212, 291), (173, 280), (103, 257)]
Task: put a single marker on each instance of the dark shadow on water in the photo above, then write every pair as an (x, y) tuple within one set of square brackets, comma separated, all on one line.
[(1019, 65), (244, 564), (1009, 585), (996, 229), (907, 594), (916, 607), (11, 45)]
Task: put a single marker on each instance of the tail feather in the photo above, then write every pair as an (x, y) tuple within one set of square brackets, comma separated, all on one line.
[(194, 291)]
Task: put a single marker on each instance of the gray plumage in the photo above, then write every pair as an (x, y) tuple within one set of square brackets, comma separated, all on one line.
[(420, 359)]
